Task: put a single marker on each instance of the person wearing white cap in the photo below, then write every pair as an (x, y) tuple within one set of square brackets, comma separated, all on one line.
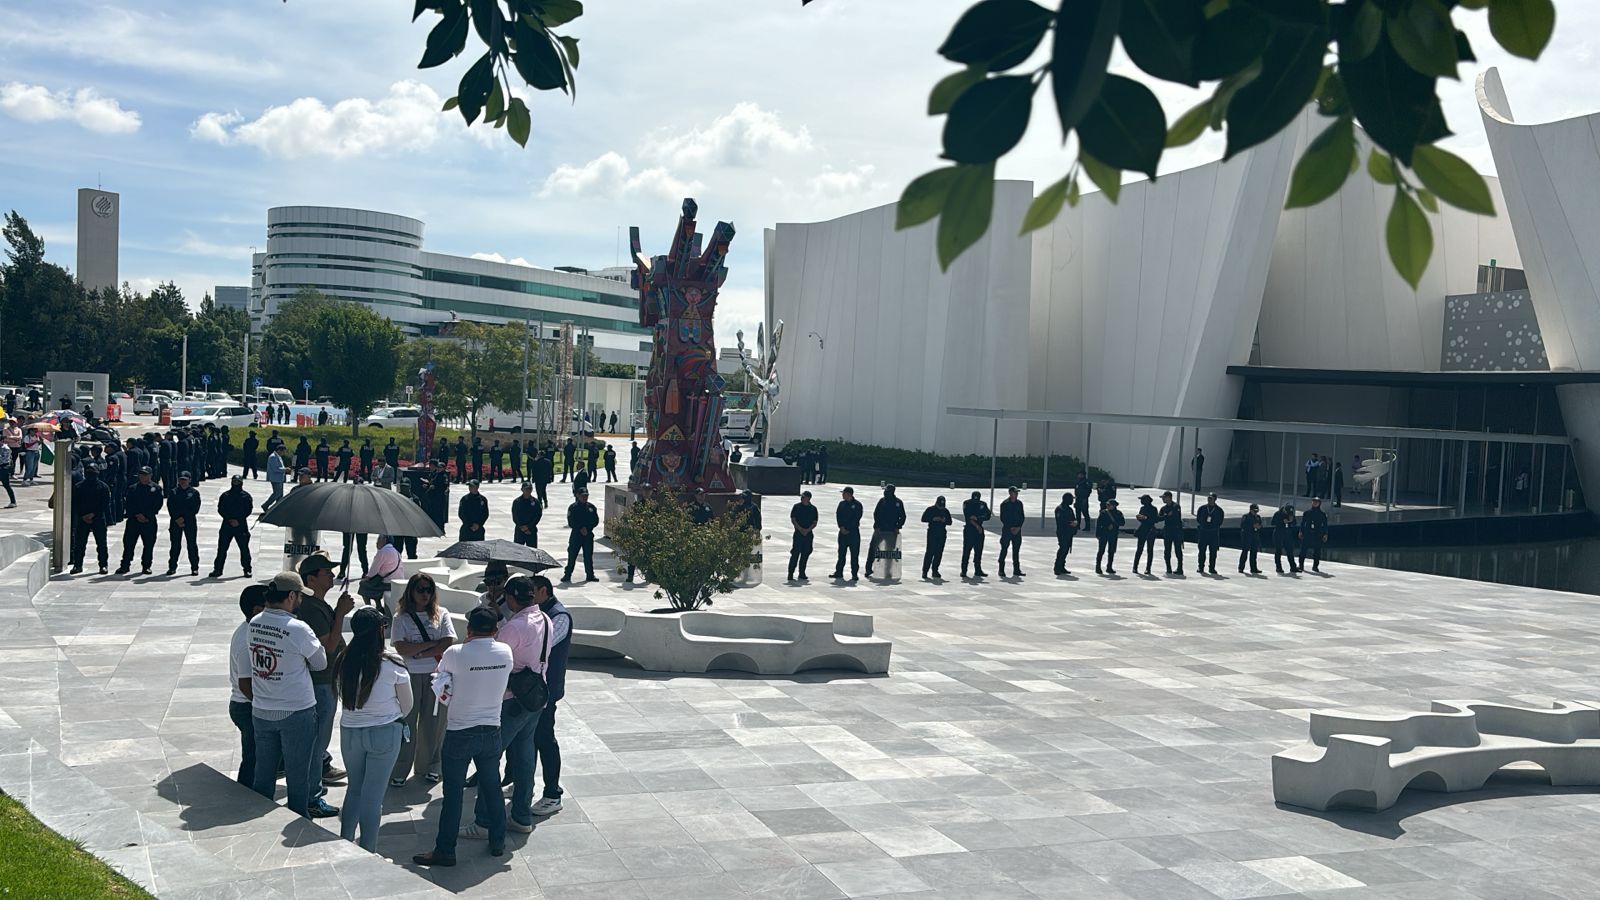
[(284, 651)]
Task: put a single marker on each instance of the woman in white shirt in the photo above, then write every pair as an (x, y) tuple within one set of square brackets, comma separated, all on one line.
[(375, 691), (422, 631)]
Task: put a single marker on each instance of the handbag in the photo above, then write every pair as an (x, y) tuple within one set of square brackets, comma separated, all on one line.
[(529, 686)]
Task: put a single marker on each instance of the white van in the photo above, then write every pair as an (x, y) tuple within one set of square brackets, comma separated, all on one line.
[(274, 395), (738, 424)]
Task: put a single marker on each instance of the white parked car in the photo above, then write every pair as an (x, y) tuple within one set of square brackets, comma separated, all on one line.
[(394, 417), (218, 415), (149, 404), (221, 397)]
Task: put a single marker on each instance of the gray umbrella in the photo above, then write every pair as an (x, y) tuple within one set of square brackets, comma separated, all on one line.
[(353, 508), (508, 552)]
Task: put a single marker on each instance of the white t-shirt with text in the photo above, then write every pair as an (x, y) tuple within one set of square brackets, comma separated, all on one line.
[(283, 653), (478, 670)]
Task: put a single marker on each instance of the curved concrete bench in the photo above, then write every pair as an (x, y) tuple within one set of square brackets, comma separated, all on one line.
[(704, 641), (1364, 761)]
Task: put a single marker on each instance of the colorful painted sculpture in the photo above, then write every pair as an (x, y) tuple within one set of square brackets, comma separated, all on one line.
[(683, 393)]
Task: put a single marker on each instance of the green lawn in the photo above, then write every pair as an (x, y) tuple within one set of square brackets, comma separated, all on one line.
[(37, 862)]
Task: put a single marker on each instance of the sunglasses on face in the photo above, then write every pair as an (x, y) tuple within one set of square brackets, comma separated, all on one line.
[(424, 590)]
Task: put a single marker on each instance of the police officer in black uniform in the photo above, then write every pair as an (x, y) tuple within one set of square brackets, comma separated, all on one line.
[(1012, 517), (1066, 528), (345, 456), (477, 459), (803, 516), (234, 505), (366, 455), (461, 459), (1081, 493), (888, 517), (497, 457), (526, 511), (1313, 534), (302, 454), (747, 512), (568, 450), (248, 453), (322, 455), (700, 512), (1144, 534), (848, 516), (1250, 538), (391, 454), (183, 506), (1171, 516), (515, 453), (473, 511), (938, 519), (1284, 528), (91, 500), (542, 471), (1208, 529), (1107, 528), (974, 513), (582, 520)]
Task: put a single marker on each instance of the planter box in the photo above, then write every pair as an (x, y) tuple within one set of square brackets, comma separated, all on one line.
[(768, 476)]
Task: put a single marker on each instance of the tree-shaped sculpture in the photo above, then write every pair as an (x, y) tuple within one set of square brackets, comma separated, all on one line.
[(762, 370), (683, 393)]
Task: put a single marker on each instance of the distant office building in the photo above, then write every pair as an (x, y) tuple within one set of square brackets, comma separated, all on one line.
[(231, 296), (377, 259), (99, 215)]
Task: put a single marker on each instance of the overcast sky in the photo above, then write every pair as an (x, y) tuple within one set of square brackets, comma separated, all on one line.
[(202, 115)]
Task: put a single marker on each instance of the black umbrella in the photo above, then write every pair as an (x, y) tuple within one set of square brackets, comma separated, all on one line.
[(508, 552), (352, 508)]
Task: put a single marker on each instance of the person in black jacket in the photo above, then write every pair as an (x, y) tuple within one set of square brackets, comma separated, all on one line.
[(1250, 538), (525, 515), (1107, 528), (582, 519), (542, 471), (1012, 517), (91, 501), (974, 513), (1066, 527), (366, 454), (1313, 534), (1144, 534), (1283, 538), (803, 516), (477, 459), (568, 451), (1080, 493), (938, 518), (1208, 529), (594, 458), (302, 454), (473, 511), (247, 452), (345, 455), (514, 453), (1198, 463), (322, 453), (747, 512), (144, 501), (700, 512), (183, 506), (497, 458), (610, 459), (848, 516), (1171, 516), (391, 454), (461, 460), (234, 505), (1337, 486), (888, 517)]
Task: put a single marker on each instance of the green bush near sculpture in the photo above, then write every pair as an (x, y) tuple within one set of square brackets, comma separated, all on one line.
[(687, 563)]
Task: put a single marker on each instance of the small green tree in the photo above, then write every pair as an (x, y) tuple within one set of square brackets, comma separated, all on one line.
[(354, 352), (688, 562), (285, 357)]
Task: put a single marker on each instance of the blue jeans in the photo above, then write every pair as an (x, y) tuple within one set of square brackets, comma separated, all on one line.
[(288, 741), (30, 465), (479, 745), (326, 709), (517, 727), (369, 754)]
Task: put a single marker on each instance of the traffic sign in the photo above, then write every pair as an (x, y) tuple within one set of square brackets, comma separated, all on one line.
[(205, 380), (257, 382), (306, 384)]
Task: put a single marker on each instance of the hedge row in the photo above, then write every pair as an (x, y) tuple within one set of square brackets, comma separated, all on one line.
[(405, 438), (917, 467)]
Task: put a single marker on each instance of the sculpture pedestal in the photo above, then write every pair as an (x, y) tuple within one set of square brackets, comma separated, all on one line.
[(767, 475), (618, 498)]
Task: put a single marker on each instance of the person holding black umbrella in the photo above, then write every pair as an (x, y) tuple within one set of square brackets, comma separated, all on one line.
[(473, 511)]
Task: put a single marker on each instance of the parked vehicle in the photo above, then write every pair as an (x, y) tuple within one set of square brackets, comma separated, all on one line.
[(219, 415), (149, 404), (220, 397), (394, 417), (274, 395), (738, 424)]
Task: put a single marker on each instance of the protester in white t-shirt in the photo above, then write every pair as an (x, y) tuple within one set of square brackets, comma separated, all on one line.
[(240, 674), (422, 630), (375, 690), (284, 651)]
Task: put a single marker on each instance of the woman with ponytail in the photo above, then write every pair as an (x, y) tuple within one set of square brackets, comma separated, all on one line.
[(422, 631), (375, 691)]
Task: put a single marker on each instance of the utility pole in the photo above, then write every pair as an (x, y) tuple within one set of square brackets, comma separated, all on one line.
[(183, 387), (523, 427), (244, 376)]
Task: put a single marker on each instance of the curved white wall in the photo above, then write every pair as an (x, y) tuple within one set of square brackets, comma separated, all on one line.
[(900, 341)]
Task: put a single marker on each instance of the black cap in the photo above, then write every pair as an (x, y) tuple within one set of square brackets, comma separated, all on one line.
[(146, 470), (1165, 494), (482, 620), (1145, 498), (1211, 496), (184, 476), (520, 587)]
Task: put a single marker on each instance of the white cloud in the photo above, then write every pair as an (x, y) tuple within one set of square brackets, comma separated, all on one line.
[(610, 175), (194, 245), (851, 184), (195, 42), (497, 258), (408, 118), (747, 136), (85, 106)]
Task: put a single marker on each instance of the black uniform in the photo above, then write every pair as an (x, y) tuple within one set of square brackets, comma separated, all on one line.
[(582, 519), (1199, 463), (699, 512), (365, 455), (1171, 515), (515, 451), (183, 508), (91, 501), (1144, 536), (1208, 531), (748, 514), (1283, 540), (461, 460), (472, 510), (822, 465), (302, 453), (497, 457), (234, 505), (974, 513), (542, 471), (1107, 528), (322, 454), (1249, 541), (1313, 534), (848, 516), (1011, 518), (568, 450), (610, 460), (391, 454), (1066, 528), (1081, 493), (888, 517), (594, 459), (345, 455), (938, 519), (803, 516), (248, 454), (525, 515), (1338, 485)]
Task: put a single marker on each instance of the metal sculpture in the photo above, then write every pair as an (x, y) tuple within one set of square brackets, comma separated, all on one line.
[(426, 421), (1373, 469), (683, 392), (762, 370)]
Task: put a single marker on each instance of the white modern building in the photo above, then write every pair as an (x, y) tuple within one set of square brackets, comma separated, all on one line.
[(1194, 296), (377, 259)]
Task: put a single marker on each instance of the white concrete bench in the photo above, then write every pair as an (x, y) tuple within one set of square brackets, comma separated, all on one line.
[(1364, 760), (704, 641)]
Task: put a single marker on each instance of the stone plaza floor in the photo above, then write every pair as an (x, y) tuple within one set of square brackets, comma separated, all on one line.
[(1041, 737)]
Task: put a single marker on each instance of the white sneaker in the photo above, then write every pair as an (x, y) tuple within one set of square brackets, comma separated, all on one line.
[(472, 831), (547, 806), (518, 827)]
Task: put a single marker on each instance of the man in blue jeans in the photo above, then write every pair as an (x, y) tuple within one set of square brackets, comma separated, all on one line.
[(527, 634), (473, 676), (327, 623), (283, 654)]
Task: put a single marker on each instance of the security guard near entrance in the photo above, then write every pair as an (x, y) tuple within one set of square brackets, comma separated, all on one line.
[(183, 505), (144, 501), (974, 513)]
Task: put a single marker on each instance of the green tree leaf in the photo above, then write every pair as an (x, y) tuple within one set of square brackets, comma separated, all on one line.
[(518, 122), (1394, 104), (1523, 27), (967, 210), (556, 13), (570, 44), (996, 34), (1381, 168), (1227, 89), (1085, 30), (1291, 66), (944, 93), (1410, 238), (988, 119), (1159, 36), (1228, 42), (1324, 166), (536, 58), (475, 87), (447, 38), (1451, 179), (495, 106), (1422, 33), (1126, 128), (1045, 207), (1190, 125), (450, 104), (1358, 31), (923, 198), (1428, 200), (1106, 178)]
